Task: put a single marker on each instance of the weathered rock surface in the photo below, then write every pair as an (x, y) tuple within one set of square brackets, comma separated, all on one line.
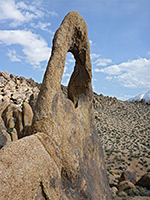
[(27, 171), (128, 176), (138, 191), (114, 191), (64, 158), (144, 181), (15, 112), (16, 89), (125, 185), (4, 135)]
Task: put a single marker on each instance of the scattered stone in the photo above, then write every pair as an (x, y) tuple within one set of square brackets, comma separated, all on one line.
[(122, 194), (138, 191), (5, 74), (3, 81), (125, 185), (114, 191)]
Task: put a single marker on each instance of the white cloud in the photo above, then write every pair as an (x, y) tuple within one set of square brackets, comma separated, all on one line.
[(108, 78), (111, 70), (94, 55), (34, 47), (102, 61), (71, 60), (19, 13), (8, 10), (67, 75), (53, 13), (12, 55), (65, 69), (65, 81), (94, 79), (97, 70), (90, 41), (42, 26), (131, 74)]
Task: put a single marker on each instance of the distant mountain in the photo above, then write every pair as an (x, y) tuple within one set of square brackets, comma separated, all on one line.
[(145, 96)]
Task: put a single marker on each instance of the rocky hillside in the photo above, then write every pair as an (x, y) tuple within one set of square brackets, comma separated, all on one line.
[(123, 127), (17, 89)]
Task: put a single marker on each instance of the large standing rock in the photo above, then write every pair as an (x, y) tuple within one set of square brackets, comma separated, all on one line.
[(27, 114), (27, 172), (4, 135), (27, 118), (11, 120), (64, 159)]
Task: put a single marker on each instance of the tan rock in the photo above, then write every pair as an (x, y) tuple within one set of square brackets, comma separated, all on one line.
[(144, 181), (4, 135), (8, 115), (28, 172), (5, 74), (64, 159), (11, 122), (19, 122), (14, 134), (125, 185), (114, 191), (128, 176), (32, 100), (13, 77), (27, 114), (10, 86), (68, 123), (3, 81), (4, 105), (12, 117)]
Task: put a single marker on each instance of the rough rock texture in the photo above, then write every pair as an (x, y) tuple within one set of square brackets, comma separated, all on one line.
[(15, 112), (144, 181), (16, 89), (28, 172), (64, 157), (128, 176), (4, 135), (125, 185), (27, 118)]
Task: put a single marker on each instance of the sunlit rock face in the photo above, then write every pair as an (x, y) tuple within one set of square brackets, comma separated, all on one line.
[(63, 157)]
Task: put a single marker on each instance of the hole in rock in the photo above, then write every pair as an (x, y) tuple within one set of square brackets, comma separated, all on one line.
[(69, 67)]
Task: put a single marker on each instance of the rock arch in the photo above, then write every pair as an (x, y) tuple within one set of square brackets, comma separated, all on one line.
[(63, 158), (72, 37)]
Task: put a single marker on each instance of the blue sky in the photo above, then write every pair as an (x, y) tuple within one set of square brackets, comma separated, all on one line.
[(119, 33)]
